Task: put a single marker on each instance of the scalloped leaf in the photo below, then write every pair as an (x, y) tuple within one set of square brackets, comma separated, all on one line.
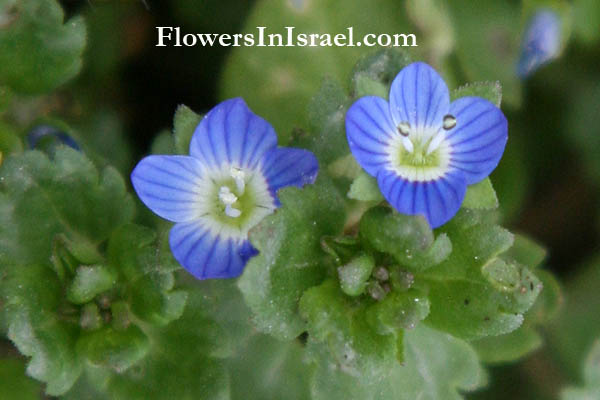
[(32, 294), (67, 194), (437, 366), (32, 35), (473, 293), (409, 239), (291, 259)]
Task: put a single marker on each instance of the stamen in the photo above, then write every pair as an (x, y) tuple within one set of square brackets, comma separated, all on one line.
[(238, 175), (449, 122), (404, 128), (408, 145), (228, 199), (435, 143), (232, 212), (226, 196)]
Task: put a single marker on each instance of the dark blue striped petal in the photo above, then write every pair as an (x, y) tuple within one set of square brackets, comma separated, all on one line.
[(419, 96), (207, 255), (285, 166), (369, 129), (168, 185), (438, 201), (231, 133), (479, 137)]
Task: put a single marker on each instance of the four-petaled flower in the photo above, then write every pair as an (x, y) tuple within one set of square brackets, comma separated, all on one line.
[(541, 42), (422, 149), (226, 186)]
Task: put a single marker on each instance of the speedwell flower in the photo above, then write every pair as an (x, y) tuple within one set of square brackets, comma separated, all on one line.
[(541, 42), (226, 186), (422, 149)]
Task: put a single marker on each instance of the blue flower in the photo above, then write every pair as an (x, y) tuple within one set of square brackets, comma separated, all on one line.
[(541, 42), (422, 149), (226, 186)]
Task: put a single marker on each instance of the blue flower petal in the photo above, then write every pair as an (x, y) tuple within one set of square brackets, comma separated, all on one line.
[(369, 129), (479, 138), (168, 185), (419, 96), (286, 166), (207, 255), (231, 133), (541, 42), (437, 200)]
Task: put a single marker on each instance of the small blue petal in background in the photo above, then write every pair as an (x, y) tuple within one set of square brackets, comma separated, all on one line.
[(226, 186), (541, 42)]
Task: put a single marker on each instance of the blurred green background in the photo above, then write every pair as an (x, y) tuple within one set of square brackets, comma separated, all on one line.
[(548, 181)]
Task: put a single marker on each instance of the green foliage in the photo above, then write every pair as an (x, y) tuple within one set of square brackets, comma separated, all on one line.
[(591, 378), (184, 125), (436, 366), (409, 239), (34, 189), (14, 385), (354, 275), (38, 52), (32, 297), (365, 188), (291, 259), (473, 293), (491, 91), (326, 116)]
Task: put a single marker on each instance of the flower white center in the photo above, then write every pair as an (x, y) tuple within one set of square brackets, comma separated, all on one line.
[(234, 200), (421, 154)]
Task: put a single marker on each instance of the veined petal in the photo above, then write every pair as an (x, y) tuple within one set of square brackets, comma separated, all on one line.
[(170, 186), (231, 133), (205, 253), (369, 129), (419, 96), (437, 200), (479, 137), (284, 166)]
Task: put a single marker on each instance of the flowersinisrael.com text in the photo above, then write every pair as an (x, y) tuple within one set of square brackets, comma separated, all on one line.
[(172, 36)]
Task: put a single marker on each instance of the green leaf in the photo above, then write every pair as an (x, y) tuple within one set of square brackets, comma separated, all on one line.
[(591, 378), (269, 369), (374, 72), (481, 196), (473, 293), (399, 310), (342, 325), (365, 188), (14, 384), (354, 275), (89, 281), (41, 326), (409, 239), (67, 194), (112, 348), (278, 82), (178, 363), (184, 125), (33, 35), (527, 251), (509, 347), (147, 265), (291, 259), (9, 140), (491, 91), (326, 136), (437, 366), (586, 18)]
